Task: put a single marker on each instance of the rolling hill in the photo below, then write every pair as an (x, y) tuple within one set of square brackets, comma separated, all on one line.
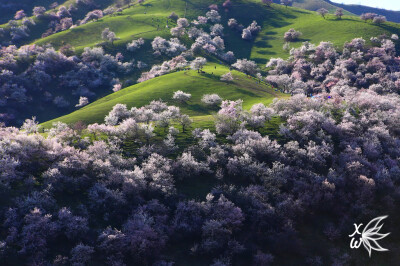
[(359, 9), (314, 5), (163, 87), (149, 20), (286, 192), (143, 21)]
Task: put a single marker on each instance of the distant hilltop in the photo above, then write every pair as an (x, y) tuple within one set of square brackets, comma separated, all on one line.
[(314, 5)]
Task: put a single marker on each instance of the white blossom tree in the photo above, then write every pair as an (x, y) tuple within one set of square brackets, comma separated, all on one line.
[(227, 77), (82, 102), (211, 99), (181, 96), (339, 13), (247, 66), (323, 12), (109, 36), (31, 125), (198, 64)]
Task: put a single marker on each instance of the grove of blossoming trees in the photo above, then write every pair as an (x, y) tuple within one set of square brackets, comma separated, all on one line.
[(314, 69), (335, 162), (53, 76), (265, 184), (57, 18)]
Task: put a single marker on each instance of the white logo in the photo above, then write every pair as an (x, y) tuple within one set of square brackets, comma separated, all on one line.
[(369, 236)]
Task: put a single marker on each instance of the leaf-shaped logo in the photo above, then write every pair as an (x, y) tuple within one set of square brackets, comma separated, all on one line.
[(369, 236)]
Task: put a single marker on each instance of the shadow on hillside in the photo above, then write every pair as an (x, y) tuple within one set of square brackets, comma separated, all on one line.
[(390, 28), (198, 108), (248, 93), (269, 33), (301, 11), (266, 52), (268, 17), (210, 76), (301, 40), (77, 30), (263, 44), (345, 19), (260, 60)]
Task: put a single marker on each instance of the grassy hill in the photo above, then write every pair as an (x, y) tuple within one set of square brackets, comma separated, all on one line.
[(277, 20), (314, 5), (149, 20), (134, 22), (163, 88), (359, 9), (41, 24), (126, 27), (143, 21)]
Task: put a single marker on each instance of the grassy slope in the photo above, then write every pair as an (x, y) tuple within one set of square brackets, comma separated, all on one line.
[(391, 15), (354, 9), (42, 24), (277, 20), (142, 21), (137, 21), (163, 88), (314, 5), (89, 34)]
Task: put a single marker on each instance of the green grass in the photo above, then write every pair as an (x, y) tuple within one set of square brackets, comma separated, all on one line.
[(41, 24), (143, 21), (163, 88), (277, 20), (314, 5), (88, 35), (134, 22)]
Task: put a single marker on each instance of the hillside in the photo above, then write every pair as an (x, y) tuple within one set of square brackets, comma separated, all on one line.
[(360, 9), (163, 88), (314, 5), (41, 24), (270, 41), (149, 20), (142, 21), (9, 7), (198, 132)]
